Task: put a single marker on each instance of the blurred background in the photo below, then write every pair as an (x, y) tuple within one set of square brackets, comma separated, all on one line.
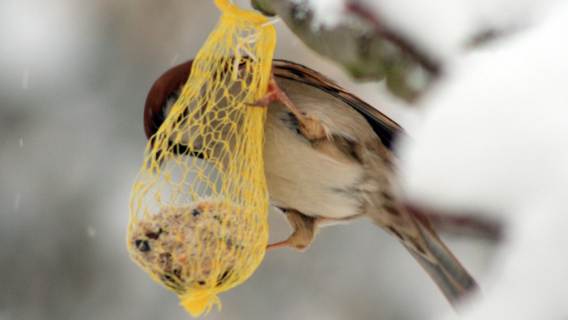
[(73, 81)]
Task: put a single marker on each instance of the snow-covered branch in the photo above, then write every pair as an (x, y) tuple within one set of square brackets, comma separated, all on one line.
[(406, 42), (359, 41)]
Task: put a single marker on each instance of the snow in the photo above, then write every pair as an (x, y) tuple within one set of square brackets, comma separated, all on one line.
[(442, 28), (493, 140), (530, 280), (506, 117), (328, 13)]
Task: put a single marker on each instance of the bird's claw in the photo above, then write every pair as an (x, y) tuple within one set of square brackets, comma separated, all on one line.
[(273, 94), (312, 129), (304, 232)]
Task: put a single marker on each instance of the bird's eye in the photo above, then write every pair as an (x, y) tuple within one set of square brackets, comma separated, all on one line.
[(170, 101), (195, 212), (142, 245)]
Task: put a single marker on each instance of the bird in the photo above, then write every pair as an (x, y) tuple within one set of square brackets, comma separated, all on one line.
[(329, 158)]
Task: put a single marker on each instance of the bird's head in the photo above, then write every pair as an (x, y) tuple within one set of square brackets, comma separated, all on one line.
[(164, 93)]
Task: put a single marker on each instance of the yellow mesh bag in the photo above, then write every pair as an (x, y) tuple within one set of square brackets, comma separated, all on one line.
[(199, 206)]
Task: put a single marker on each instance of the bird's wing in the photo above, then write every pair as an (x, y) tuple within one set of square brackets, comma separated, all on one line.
[(385, 128)]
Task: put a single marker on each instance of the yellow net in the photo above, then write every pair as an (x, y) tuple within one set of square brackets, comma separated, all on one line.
[(199, 206)]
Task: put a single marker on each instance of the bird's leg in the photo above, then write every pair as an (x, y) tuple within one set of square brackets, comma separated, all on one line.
[(304, 231), (310, 127)]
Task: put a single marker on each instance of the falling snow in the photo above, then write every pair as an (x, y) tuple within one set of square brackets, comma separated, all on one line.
[(91, 232), (175, 59), (17, 201), (26, 79)]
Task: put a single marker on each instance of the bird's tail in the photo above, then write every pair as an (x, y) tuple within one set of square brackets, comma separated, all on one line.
[(439, 262)]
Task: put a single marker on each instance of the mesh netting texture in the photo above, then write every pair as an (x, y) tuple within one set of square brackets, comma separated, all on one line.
[(199, 205)]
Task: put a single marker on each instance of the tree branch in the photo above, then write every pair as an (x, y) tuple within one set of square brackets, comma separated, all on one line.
[(366, 48), (460, 224)]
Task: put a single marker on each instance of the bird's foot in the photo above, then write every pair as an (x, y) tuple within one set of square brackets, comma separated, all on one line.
[(310, 127), (274, 94), (304, 231)]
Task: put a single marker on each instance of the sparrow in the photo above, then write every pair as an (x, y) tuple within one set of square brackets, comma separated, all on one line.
[(328, 159)]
